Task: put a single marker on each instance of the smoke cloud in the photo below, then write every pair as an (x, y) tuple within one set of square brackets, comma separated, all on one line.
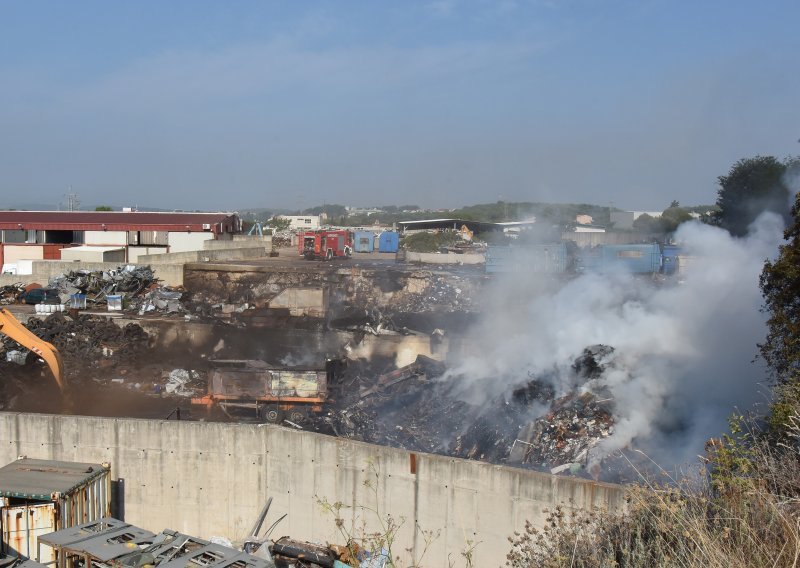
[(684, 348)]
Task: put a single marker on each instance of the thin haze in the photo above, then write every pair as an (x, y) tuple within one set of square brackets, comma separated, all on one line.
[(196, 104)]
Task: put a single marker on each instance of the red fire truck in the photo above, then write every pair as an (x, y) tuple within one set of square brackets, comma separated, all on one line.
[(325, 245)]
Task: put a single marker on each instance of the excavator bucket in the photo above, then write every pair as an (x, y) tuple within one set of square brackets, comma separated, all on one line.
[(13, 329)]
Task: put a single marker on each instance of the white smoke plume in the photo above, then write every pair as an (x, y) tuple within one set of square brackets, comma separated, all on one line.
[(684, 348)]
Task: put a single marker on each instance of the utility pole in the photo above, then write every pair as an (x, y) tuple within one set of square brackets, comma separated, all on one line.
[(73, 203)]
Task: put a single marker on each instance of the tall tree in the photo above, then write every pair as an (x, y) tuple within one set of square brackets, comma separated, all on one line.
[(780, 284), (752, 186)]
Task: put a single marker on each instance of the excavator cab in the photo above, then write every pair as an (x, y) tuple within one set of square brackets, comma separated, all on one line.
[(12, 328)]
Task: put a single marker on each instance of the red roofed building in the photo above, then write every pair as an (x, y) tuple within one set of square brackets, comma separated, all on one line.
[(40, 235)]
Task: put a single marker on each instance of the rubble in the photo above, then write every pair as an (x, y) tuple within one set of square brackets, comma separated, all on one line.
[(419, 408), (85, 340), (137, 285), (183, 382), (10, 294)]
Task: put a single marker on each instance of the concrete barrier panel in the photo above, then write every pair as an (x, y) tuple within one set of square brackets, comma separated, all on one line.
[(211, 479)]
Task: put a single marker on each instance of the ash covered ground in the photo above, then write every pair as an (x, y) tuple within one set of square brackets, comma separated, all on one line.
[(116, 370)]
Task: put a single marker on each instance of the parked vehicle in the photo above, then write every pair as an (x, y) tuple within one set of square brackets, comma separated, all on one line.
[(325, 245), (271, 393), (14, 330), (41, 296)]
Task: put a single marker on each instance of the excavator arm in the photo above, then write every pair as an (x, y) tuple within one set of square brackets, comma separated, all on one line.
[(12, 328)]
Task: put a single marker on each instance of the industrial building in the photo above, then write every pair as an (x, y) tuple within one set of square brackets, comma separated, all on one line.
[(26, 236)]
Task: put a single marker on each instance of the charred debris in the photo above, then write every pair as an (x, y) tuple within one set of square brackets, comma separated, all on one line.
[(539, 424), (421, 407), (111, 543)]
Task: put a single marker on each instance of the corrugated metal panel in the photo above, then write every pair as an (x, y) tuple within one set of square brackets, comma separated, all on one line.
[(546, 259), (22, 526)]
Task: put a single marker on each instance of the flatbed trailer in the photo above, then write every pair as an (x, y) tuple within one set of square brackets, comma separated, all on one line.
[(272, 393)]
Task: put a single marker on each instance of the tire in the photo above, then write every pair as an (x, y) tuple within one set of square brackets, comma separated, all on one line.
[(297, 416), (273, 415)]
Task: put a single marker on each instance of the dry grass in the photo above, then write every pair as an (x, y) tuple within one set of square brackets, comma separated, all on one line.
[(745, 513)]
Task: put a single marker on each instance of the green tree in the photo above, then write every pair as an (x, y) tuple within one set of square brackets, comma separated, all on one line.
[(103, 208), (780, 284), (278, 223), (752, 186), (673, 216)]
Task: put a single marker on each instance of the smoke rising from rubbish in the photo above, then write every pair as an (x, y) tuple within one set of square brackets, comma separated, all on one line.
[(684, 348)]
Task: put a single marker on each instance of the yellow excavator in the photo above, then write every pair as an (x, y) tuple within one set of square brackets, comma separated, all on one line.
[(12, 328)]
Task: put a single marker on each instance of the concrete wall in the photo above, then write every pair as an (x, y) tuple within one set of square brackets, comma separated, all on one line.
[(211, 479), (203, 255), (302, 301), (436, 258), (182, 242), (169, 274), (135, 252), (100, 254), (265, 242), (105, 238)]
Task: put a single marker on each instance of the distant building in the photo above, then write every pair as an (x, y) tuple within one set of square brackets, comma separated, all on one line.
[(41, 235), (307, 222), (351, 211), (583, 219), (589, 229), (625, 219)]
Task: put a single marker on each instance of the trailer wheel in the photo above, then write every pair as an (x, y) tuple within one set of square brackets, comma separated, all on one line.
[(273, 415), (298, 416)]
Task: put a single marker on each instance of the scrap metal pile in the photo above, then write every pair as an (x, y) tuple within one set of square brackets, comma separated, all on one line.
[(137, 284), (420, 407), (10, 294)]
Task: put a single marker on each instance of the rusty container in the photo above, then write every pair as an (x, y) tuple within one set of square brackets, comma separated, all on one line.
[(41, 496)]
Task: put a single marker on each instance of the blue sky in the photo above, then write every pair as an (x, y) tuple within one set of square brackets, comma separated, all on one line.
[(227, 105)]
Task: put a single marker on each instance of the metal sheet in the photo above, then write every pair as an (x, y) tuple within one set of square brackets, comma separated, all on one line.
[(72, 535), (41, 479)]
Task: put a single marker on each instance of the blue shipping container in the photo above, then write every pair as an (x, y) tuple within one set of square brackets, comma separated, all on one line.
[(545, 259), (388, 242), (636, 259), (364, 241)]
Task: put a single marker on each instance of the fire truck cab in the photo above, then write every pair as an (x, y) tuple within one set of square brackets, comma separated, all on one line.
[(325, 245)]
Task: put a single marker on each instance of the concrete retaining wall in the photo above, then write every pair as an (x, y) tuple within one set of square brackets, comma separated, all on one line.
[(204, 255), (169, 274), (212, 479), (437, 258), (251, 242)]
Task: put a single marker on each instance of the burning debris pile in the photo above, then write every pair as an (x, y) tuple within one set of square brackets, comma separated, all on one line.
[(420, 407), (563, 437)]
